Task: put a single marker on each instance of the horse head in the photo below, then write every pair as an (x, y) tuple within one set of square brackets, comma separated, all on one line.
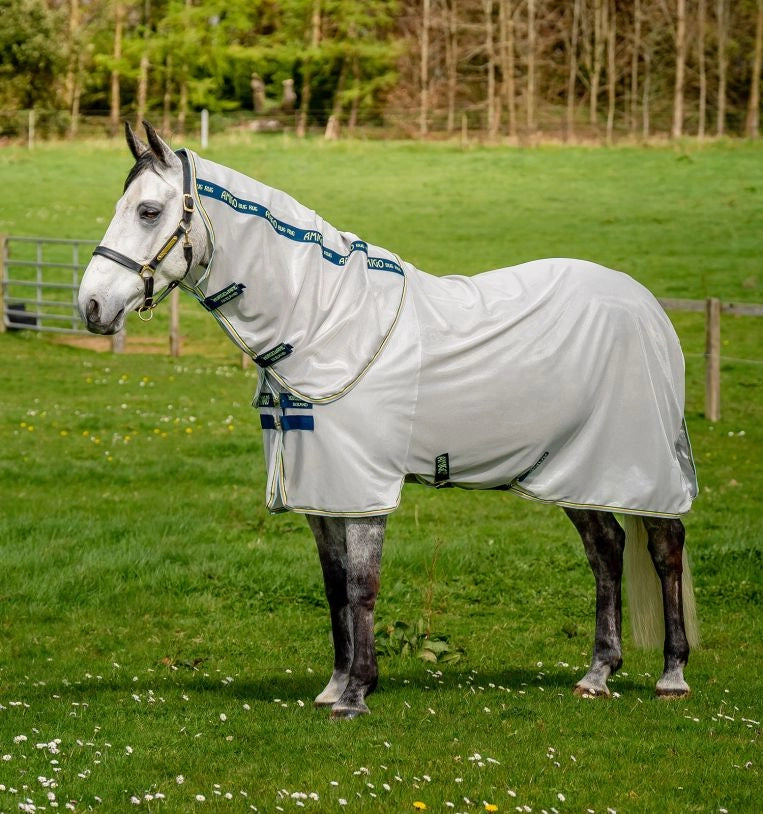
[(141, 251)]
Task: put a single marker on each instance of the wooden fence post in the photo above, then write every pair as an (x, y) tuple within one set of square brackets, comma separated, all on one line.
[(30, 135), (2, 283), (713, 359), (175, 323), (118, 341)]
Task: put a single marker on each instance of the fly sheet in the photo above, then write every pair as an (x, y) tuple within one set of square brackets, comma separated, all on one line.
[(558, 379)]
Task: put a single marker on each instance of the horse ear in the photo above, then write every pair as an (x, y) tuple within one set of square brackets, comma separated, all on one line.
[(159, 148), (137, 147)]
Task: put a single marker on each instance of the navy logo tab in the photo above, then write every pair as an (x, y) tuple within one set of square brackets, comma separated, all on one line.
[(270, 357), (292, 402), (442, 470), (230, 292)]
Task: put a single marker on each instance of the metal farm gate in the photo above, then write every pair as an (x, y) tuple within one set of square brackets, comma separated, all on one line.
[(39, 280)]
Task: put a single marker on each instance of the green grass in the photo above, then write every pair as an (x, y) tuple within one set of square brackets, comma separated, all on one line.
[(159, 623)]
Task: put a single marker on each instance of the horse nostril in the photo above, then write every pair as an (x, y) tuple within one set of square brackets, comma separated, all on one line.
[(93, 309)]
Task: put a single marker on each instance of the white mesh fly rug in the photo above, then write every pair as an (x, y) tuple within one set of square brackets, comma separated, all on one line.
[(558, 379)]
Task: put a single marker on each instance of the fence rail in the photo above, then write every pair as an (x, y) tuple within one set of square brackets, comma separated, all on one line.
[(20, 272), (46, 267)]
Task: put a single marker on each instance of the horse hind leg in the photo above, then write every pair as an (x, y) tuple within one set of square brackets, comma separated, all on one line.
[(604, 541), (330, 537), (666, 543)]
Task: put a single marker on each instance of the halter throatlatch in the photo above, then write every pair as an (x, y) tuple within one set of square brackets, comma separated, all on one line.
[(146, 270)]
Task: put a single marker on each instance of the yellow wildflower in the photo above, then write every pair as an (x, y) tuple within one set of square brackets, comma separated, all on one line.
[(419, 805), (491, 807)]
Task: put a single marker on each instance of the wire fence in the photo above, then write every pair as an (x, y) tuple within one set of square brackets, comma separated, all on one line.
[(40, 278)]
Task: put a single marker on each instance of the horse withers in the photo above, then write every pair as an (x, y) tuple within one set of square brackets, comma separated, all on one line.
[(558, 380)]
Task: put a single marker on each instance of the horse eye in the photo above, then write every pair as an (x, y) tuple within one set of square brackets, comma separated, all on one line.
[(149, 213)]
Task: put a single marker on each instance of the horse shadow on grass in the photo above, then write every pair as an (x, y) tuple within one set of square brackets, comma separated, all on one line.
[(289, 688)]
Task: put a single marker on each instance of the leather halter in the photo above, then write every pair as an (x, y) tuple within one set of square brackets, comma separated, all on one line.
[(146, 270)]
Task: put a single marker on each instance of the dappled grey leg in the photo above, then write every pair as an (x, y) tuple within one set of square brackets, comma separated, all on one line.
[(329, 534), (365, 537), (604, 542), (666, 542)]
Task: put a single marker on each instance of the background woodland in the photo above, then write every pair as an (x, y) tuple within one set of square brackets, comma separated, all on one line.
[(574, 70)]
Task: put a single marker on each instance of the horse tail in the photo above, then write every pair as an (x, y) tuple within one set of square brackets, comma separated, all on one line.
[(645, 592)]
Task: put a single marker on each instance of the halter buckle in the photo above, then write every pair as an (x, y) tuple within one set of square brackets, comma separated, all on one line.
[(187, 202)]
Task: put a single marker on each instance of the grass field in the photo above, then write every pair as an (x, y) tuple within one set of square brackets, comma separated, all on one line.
[(162, 637)]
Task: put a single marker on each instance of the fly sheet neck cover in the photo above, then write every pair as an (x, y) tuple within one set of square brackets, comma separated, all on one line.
[(319, 301)]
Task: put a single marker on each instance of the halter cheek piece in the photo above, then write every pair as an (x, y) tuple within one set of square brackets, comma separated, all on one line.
[(146, 270)]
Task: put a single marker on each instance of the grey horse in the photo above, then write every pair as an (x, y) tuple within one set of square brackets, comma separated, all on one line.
[(529, 379)]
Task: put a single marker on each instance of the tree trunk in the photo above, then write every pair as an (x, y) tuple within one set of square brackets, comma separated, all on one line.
[(424, 69), (258, 94), (722, 21), (492, 130), (167, 101), (451, 62), (334, 123), (678, 89), (182, 105), (74, 68), (645, 97), (116, 96), (597, 51), (506, 18), (635, 54), (315, 39), (611, 69), (352, 122), (752, 124), (572, 71), (701, 68), (531, 39), (140, 113)]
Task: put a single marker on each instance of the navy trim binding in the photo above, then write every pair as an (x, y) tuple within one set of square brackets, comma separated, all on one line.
[(212, 190)]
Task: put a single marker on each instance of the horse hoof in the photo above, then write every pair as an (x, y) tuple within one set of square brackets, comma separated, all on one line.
[(348, 713), (672, 693), (582, 691)]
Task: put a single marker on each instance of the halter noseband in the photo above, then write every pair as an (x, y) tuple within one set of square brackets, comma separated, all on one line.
[(146, 270)]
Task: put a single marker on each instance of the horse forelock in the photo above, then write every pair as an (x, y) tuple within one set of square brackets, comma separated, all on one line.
[(147, 161)]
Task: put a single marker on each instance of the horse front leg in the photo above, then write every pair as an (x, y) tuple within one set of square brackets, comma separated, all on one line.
[(604, 542), (364, 538), (330, 536), (666, 543)]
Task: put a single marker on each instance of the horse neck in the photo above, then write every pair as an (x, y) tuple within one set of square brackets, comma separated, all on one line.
[(251, 247)]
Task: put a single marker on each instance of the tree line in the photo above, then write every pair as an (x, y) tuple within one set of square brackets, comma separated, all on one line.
[(574, 69)]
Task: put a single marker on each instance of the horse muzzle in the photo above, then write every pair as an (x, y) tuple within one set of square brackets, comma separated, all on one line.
[(99, 322)]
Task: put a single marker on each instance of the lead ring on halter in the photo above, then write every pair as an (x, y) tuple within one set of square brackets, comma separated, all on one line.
[(146, 270)]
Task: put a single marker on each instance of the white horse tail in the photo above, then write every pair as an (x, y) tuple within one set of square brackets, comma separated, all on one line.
[(645, 593)]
